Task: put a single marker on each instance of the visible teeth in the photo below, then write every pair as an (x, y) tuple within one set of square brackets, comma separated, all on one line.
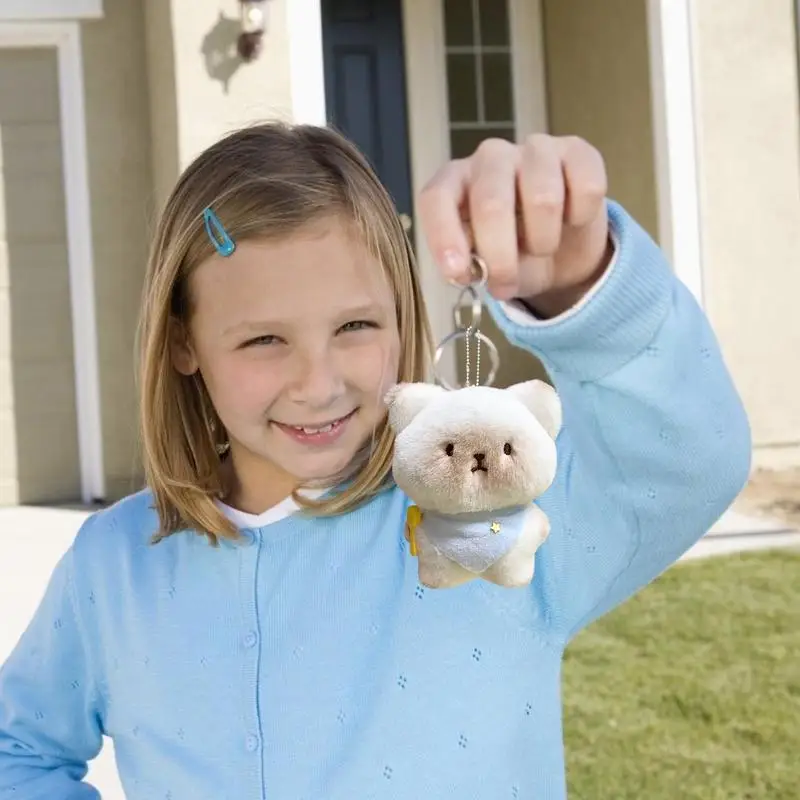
[(317, 430)]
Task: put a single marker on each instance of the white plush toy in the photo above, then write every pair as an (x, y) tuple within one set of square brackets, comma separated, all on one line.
[(472, 461)]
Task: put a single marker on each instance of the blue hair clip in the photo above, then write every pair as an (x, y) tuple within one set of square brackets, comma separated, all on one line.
[(217, 233)]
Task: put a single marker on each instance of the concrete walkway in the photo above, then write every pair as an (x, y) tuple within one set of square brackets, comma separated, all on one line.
[(737, 532)]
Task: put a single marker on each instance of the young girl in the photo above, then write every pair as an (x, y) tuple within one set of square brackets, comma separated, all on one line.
[(251, 625)]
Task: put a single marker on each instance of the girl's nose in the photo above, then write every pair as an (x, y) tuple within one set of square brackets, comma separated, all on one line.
[(319, 383)]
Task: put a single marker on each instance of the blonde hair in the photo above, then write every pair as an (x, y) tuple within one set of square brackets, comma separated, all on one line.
[(268, 180)]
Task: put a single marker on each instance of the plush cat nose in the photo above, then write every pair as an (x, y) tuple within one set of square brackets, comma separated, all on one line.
[(479, 457)]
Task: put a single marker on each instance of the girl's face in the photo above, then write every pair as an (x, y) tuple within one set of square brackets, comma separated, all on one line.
[(297, 343)]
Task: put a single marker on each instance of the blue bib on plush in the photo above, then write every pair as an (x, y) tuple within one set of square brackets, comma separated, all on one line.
[(477, 539)]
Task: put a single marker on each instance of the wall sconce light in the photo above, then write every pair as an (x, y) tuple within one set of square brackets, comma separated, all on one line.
[(253, 14)]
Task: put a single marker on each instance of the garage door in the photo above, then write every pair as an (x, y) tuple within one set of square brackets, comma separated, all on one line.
[(39, 460)]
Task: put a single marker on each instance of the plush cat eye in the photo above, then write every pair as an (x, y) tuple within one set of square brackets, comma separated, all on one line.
[(450, 449), (507, 448)]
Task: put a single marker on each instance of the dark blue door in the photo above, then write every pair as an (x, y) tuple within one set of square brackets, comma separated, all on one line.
[(365, 86)]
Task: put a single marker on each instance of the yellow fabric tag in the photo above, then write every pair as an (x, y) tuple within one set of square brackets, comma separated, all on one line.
[(413, 519)]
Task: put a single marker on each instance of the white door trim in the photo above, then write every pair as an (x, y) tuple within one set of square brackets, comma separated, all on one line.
[(675, 139), (429, 146), (528, 67), (306, 62), (65, 37)]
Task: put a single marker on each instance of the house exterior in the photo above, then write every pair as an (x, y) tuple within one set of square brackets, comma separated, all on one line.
[(694, 104)]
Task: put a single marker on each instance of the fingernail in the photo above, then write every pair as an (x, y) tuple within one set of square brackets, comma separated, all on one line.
[(453, 263)]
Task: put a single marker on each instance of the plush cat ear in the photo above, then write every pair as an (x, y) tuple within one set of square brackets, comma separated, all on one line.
[(542, 401), (406, 400)]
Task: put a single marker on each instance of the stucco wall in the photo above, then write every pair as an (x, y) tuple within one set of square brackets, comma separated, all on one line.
[(746, 87), (199, 88), (118, 132), (598, 87)]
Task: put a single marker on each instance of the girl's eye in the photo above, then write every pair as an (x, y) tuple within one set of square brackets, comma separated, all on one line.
[(262, 340), (358, 325)]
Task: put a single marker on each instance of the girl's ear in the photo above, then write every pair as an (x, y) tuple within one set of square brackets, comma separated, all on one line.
[(180, 346)]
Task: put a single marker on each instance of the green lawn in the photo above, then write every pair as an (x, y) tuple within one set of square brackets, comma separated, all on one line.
[(692, 688)]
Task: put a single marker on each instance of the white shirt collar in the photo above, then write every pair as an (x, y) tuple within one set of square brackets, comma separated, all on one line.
[(287, 507)]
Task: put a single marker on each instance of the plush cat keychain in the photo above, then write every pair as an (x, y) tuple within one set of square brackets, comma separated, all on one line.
[(472, 460)]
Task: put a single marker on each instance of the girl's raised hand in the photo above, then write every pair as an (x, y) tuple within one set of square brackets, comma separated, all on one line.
[(535, 212)]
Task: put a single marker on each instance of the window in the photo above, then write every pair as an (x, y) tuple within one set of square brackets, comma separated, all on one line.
[(479, 78)]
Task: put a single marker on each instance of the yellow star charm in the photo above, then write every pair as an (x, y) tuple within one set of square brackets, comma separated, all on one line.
[(495, 527)]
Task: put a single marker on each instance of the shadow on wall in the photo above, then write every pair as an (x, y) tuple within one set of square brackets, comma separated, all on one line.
[(219, 50)]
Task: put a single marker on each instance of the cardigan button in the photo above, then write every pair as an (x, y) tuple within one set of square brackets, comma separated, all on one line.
[(247, 538), (251, 743)]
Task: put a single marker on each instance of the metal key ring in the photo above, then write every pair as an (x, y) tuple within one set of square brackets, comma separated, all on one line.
[(477, 309), (479, 273), (494, 356)]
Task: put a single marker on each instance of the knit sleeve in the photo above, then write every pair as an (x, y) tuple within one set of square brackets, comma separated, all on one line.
[(50, 710), (655, 443)]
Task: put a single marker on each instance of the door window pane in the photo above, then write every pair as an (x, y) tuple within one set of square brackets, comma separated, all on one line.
[(459, 28), (463, 141), (462, 87), (479, 74), (493, 19), (498, 103)]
